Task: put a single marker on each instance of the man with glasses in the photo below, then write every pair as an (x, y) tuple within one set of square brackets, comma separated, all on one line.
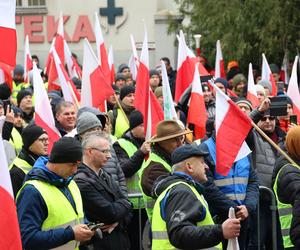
[(49, 204), (35, 144), (263, 158), (102, 198)]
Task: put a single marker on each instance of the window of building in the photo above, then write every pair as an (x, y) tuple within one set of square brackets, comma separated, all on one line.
[(25, 7)]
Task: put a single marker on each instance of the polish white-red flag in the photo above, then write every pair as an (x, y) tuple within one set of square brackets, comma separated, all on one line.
[(101, 50), (6, 74), (185, 68), (266, 74), (145, 100), (133, 60), (219, 65), (10, 237), (169, 107), (59, 39), (8, 36), (197, 112), (68, 88), (232, 128), (293, 90), (95, 89), (284, 71), (43, 112), (111, 64), (73, 68), (27, 59), (251, 91)]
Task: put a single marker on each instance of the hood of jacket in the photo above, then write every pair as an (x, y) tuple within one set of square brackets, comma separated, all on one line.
[(42, 173)]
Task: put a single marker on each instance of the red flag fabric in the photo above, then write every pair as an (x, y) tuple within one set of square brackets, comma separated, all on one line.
[(232, 128), (111, 64), (6, 74), (8, 37), (197, 112), (185, 69), (219, 65), (251, 91), (9, 227), (43, 112), (293, 90), (145, 101), (266, 74), (95, 88)]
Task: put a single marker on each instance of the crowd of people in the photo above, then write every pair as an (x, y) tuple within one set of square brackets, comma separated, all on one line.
[(103, 186)]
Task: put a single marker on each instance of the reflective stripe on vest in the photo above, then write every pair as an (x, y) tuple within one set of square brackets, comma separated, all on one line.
[(285, 214), (121, 124), (132, 182), (160, 238), (149, 201), (16, 140), (61, 214), (234, 185), (21, 164)]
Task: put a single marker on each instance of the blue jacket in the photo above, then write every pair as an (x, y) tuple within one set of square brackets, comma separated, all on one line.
[(251, 190), (32, 210)]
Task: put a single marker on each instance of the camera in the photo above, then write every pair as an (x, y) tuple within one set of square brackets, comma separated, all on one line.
[(278, 106)]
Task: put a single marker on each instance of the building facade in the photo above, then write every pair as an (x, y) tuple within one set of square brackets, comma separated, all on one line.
[(118, 18)]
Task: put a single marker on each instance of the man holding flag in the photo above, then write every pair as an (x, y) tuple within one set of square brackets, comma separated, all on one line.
[(231, 177)]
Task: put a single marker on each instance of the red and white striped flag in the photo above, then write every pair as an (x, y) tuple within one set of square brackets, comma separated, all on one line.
[(27, 59), (293, 90), (219, 65), (111, 64), (70, 92), (197, 112), (185, 68), (101, 50), (6, 74), (95, 89), (232, 128), (73, 68), (43, 112), (134, 59), (9, 227), (145, 100), (251, 91), (266, 74), (8, 36)]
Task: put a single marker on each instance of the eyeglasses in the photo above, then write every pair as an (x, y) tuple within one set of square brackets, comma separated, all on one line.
[(43, 140), (104, 151), (271, 118)]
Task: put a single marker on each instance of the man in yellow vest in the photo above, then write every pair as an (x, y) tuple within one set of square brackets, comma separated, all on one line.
[(35, 144), (169, 136), (18, 82), (119, 119), (131, 150), (49, 204), (181, 217), (286, 182)]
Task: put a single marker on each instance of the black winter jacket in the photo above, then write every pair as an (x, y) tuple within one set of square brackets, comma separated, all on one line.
[(130, 165), (104, 202), (182, 231)]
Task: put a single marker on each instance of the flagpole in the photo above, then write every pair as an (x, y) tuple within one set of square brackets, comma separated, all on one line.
[(273, 143), (122, 110)]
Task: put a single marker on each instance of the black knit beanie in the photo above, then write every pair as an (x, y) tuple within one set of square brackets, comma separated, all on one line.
[(126, 90), (66, 150), (22, 93), (30, 134), (135, 119)]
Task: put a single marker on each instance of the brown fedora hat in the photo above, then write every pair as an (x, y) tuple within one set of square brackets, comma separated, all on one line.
[(168, 129)]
